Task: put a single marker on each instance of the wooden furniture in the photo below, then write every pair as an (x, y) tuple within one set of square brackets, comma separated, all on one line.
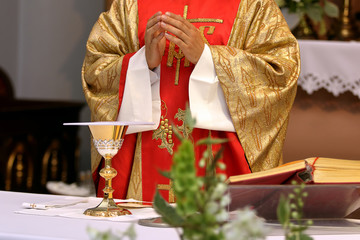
[(6, 90), (35, 147)]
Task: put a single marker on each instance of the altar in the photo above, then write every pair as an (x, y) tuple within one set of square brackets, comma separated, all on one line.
[(33, 226)]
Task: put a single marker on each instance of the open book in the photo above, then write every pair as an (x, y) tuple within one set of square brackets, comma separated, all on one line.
[(311, 170), (332, 185)]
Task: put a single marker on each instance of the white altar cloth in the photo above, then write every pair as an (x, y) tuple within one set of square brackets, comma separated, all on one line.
[(74, 207), (332, 65), (28, 226)]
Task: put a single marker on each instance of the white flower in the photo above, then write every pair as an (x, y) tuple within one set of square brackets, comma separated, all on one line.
[(219, 191), (212, 207), (222, 216), (225, 200), (245, 226)]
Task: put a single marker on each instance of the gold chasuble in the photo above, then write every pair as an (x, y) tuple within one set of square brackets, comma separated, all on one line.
[(256, 61)]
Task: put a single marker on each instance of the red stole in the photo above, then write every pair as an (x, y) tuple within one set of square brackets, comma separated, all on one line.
[(214, 19)]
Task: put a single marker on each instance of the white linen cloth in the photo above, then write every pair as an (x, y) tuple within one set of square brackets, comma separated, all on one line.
[(16, 226), (332, 65), (74, 207), (142, 100)]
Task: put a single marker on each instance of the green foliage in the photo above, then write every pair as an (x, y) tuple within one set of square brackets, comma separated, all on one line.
[(201, 201), (186, 184), (290, 214), (95, 234), (313, 9), (168, 213), (331, 9)]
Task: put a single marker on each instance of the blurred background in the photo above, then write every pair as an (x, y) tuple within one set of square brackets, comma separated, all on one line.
[(41, 52), (42, 47)]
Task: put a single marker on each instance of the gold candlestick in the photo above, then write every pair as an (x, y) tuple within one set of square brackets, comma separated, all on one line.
[(347, 31)]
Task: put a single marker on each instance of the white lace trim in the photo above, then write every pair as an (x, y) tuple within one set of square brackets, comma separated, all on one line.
[(335, 84), (331, 65)]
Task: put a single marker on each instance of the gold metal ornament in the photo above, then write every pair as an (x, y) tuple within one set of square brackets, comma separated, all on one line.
[(107, 139), (347, 30)]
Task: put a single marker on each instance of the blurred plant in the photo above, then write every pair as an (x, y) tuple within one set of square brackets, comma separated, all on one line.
[(290, 214), (95, 234), (314, 9), (201, 201)]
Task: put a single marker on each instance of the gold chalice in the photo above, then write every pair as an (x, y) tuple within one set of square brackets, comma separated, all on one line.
[(108, 138)]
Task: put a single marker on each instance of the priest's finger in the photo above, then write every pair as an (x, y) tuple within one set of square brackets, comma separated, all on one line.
[(191, 51), (183, 34), (152, 26), (154, 48), (153, 20), (178, 22), (175, 31)]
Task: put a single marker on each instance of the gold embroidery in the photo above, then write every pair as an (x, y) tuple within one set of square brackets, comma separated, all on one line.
[(167, 129), (209, 32), (179, 55), (169, 188), (210, 159), (183, 128), (135, 184), (202, 20), (164, 132)]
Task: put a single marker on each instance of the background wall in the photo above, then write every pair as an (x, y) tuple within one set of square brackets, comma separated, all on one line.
[(42, 47)]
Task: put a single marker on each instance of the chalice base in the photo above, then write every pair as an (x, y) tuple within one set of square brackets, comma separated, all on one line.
[(107, 208)]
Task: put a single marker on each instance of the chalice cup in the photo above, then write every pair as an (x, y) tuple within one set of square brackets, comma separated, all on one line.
[(107, 139)]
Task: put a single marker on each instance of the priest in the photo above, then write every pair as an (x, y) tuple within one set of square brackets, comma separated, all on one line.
[(236, 65)]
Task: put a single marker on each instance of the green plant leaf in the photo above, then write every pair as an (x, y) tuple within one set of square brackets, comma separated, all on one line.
[(177, 133), (218, 155), (305, 237), (209, 141), (168, 213), (315, 13), (283, 210), (190, 121), (331, 9), (166, 174)]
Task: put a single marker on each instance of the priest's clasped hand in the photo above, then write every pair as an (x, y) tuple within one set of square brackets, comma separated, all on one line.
[(177, 30)]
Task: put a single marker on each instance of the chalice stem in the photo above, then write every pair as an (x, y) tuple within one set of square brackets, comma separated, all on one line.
[(107, 207), (108, 172)]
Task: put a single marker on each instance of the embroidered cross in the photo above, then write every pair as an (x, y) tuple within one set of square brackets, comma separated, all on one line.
[(179, 55), (168, 187)]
